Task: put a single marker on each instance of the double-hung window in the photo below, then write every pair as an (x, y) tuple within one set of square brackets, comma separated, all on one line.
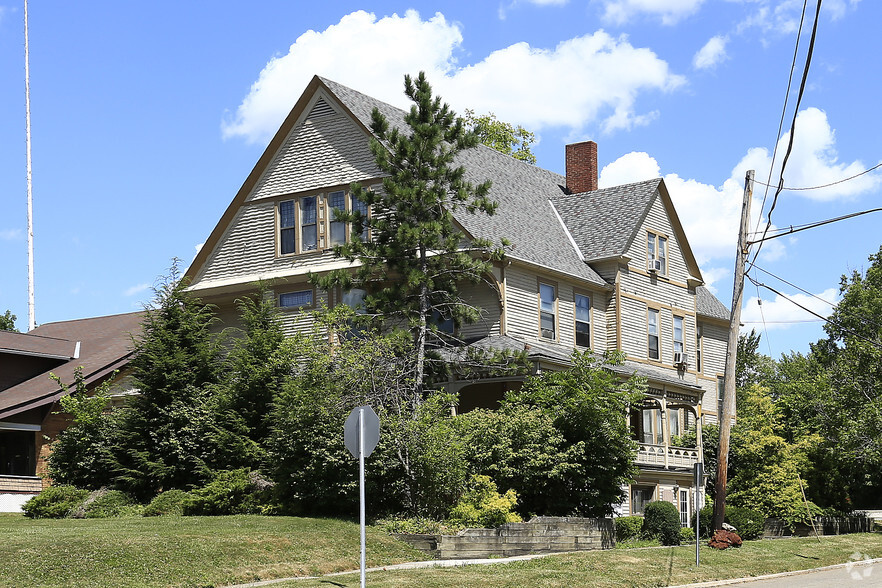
[(583, 320), (336, 228), (547, 311), (656, 252), (698, 342), (652, 330), (678, 335), (674, 422), (311, 223)]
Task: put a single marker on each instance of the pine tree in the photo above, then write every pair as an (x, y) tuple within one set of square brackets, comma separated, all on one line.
[(415, 259), (166, 437)]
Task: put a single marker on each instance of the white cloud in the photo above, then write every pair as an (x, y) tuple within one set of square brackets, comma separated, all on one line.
[(814, 161), (10, 234), (712, 54), (669, 11), (781, 313), (360, 51), (711, 214), (605, 75), (136, 289)]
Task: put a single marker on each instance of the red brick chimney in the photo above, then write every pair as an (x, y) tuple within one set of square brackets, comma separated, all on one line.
[(582, 167)]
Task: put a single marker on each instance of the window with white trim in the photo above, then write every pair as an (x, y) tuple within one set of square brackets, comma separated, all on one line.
[(652, 332), (684, 508), (656, 250), (583, 320), (678, 334), (547, 311)]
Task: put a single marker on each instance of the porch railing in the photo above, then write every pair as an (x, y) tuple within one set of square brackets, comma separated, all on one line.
[(659, 455)]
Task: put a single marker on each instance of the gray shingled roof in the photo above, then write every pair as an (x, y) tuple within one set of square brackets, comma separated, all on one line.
[(707, 304), (524, 217), (603, 222)]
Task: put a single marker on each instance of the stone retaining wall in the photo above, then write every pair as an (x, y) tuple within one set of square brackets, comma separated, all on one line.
[(774, 528), (539, 535)]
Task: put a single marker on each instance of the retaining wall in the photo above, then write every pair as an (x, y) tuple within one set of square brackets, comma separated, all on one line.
[(539, 535)]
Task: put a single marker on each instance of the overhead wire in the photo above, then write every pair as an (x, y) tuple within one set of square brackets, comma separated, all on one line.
[(789, 230), (799, 95), (783, 114), (842, 181), (827, 320)]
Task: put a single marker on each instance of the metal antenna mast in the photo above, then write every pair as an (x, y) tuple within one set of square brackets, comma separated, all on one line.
[(32, 322)]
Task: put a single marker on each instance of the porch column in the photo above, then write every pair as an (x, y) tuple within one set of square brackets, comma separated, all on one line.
[(666, 433)]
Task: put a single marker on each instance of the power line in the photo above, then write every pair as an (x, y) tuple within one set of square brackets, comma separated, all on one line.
[(798, 228), (783, 113), (808, 61), (866, 171), (813, 313)]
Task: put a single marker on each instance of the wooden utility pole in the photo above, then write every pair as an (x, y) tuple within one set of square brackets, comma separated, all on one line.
[(731, 353)]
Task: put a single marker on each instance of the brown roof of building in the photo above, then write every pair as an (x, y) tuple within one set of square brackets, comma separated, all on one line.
[(105, 345)]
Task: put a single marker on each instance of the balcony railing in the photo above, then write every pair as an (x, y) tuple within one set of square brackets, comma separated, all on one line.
[(667, 457)]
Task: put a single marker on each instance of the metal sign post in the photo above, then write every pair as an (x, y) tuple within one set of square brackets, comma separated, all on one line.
[(697, 483), (360, 435)]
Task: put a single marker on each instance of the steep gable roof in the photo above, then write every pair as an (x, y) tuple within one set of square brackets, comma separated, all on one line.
[(524, 217), (706, 304), (105, 345)]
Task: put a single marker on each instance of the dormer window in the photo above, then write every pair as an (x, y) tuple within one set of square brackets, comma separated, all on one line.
[(656, 253)]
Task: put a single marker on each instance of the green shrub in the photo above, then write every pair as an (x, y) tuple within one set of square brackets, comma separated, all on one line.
[(628, 528), (748, 523), (231, 492), (103, 503), (482, 505), (687, 535), (55, 502), (419, 526), (661, 521), (705, 521), (168, 503)]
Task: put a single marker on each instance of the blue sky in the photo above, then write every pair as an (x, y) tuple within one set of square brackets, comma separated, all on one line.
[(147, 117)]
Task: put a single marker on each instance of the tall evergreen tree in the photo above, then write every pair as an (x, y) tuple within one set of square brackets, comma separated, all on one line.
[(415, 260), (166, 437)]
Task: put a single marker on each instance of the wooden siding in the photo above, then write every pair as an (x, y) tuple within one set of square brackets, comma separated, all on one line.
[(485, 297), (324, 151), (521, 303)]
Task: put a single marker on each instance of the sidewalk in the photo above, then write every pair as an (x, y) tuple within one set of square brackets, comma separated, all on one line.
[(453, 563)]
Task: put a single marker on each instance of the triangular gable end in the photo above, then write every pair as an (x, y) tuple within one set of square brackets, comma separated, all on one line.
[(317, 106), (674, 219)]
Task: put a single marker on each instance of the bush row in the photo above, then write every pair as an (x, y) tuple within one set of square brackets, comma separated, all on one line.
[(230, 492)]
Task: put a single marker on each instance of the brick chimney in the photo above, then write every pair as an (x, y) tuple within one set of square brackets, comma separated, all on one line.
[(581, 167)]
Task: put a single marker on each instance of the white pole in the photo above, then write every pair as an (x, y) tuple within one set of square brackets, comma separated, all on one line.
[(32, 321), (361, 488)]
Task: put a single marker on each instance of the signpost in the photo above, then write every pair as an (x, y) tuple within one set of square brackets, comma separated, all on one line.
[(361, 433)]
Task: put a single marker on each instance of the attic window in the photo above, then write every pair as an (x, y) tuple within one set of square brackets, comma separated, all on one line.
[(321, 109), (656, 253)]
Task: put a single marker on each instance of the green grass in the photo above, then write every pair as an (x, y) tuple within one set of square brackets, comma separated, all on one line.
[(182, 551), (218, 551), (663, 566)]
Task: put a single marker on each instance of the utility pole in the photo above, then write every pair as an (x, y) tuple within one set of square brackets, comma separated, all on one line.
[(731, 353)]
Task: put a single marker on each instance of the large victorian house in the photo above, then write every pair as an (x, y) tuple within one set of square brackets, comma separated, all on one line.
[(605, 269)]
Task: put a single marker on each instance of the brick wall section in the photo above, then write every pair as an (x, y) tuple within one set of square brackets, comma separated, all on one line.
[(53, 424), (581, 163), (539, 535)]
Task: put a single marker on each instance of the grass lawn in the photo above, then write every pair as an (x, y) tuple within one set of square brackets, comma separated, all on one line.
[(182, 551), (218, 551), (665, 566)]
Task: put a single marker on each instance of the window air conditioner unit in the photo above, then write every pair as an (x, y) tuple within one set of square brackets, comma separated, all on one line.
[(681, 358), (654, 265)]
